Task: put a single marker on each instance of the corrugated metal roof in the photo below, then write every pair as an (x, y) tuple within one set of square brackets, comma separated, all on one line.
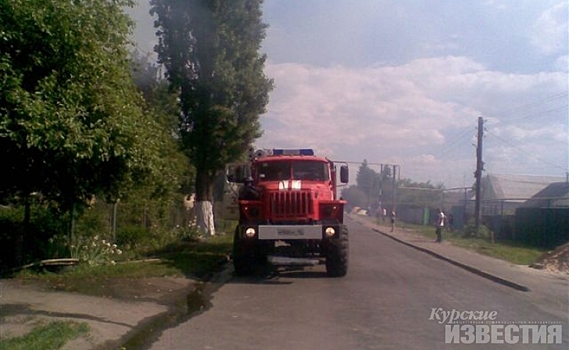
[(517, 186), (554, 195)]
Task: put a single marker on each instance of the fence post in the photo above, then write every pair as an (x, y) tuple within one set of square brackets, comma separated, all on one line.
[(114, 222)]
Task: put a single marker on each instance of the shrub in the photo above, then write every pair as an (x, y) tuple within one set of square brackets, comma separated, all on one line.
[(94, 251), (132, 237), (470, 230)]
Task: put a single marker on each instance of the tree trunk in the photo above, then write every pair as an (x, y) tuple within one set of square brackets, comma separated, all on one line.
[(204, 216), (204, 203), (19, 240)]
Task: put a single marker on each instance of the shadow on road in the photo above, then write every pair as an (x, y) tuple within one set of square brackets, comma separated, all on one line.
[(269, 274)]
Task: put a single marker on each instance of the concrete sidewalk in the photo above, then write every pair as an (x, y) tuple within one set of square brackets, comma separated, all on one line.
[(552, 288), (24, 305)]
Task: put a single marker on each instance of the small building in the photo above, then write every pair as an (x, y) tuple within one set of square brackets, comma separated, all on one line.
[(502, 194), (543, 220), (555, 195)]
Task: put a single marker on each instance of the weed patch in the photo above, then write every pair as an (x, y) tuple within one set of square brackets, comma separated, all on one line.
[(48, 336)]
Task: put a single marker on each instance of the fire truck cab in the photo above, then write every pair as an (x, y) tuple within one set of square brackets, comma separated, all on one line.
[(289, 212)]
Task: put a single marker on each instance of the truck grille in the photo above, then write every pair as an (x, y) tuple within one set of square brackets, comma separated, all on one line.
[(290, 204)]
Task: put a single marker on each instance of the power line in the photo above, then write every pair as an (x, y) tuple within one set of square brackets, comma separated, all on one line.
[(529, 105), (534, 115), (525, 152), (449, 147)]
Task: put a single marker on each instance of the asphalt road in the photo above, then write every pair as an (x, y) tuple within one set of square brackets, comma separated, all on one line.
[(385, 302)]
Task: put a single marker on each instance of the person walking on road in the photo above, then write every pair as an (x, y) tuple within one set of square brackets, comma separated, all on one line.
[(440, 224)]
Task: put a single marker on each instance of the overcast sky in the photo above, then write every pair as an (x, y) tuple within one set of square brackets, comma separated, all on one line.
[(404, 82)]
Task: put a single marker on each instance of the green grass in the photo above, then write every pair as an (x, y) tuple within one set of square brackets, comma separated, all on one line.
[(199, 259), (508, 251), (174, 257), (505, 250), (192, 259), (50, 336)]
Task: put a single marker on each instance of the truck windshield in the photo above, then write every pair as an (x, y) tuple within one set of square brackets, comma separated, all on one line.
[(295, 170)]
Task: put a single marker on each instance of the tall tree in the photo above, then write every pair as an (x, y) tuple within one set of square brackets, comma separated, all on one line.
[(71, 123), (419, 193), (210, 49), (368, 181)]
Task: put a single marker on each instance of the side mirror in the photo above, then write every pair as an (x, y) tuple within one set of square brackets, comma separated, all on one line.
[(344, 174), (237, 173), (232, 173)]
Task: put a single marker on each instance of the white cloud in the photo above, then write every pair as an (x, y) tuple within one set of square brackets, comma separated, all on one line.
[(562, 63), (497, 4), (550, 31), (406, 114), (405, 83)]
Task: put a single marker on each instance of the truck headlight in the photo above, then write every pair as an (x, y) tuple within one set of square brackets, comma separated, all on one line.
[(250, 232), (330, 231)]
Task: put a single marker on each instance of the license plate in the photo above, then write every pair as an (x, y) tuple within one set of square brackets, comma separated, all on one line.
[(285, 232)]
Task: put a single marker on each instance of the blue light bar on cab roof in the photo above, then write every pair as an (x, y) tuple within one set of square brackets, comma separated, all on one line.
[(299, 152)]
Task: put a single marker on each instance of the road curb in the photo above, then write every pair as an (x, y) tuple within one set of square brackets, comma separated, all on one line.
[(180, 310), (466, 267)]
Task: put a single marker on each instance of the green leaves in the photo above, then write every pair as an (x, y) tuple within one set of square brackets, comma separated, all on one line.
[(210, 50), (71, 120)]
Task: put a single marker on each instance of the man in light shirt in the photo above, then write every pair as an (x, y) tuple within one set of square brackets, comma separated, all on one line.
[(440, 224)]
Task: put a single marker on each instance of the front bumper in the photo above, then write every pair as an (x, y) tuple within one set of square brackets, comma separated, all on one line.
[(289, 232)]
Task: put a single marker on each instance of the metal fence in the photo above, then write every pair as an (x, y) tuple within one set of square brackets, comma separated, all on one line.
[(542, 222)]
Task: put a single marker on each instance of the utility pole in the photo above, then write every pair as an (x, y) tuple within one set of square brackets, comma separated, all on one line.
[(478, 174), (395, 187)]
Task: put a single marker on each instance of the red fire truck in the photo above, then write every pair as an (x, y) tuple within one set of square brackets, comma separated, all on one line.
[(289, 212)]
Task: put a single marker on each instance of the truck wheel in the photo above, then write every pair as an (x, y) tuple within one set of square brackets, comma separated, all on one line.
[(337, 255), (243, 265), (245, 257)]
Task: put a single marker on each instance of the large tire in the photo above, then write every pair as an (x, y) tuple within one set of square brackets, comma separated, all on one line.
[(247, 256), (243, 256), (337, 255)]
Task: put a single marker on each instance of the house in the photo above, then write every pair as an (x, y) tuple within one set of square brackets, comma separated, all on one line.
[(555, 195), (543, 220), (502, 194)]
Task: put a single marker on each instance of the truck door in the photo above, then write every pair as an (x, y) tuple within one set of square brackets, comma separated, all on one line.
[(230, 204)]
